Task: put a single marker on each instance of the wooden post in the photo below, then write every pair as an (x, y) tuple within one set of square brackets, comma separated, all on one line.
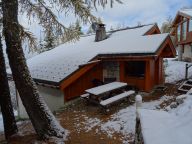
[(180, 53), (186, 71)]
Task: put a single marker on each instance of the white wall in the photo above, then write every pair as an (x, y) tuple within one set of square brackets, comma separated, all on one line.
[(180, 53), (53, 97), (187, 52)]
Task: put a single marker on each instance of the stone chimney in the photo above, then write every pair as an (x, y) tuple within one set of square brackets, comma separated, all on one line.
[(100, 32)]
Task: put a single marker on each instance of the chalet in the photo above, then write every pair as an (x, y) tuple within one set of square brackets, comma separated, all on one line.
[(132, 55), (182, 32)]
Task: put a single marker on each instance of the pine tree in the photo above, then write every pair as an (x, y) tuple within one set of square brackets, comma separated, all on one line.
[(111, 29), (10, 126), (78, 27), (90, 30), (49, 40), (42, 119), (97, 21)]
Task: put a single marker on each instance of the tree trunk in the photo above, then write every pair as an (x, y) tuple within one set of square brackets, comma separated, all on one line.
[(41, 117), (10, 127)]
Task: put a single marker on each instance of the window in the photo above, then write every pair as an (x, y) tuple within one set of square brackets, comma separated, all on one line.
[(184, 30), (190, 25), (135, 68), (179, 33)]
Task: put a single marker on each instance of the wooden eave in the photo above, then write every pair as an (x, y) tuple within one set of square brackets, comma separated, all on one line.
[(185, 15), (75, 75), (44, 83), (167, 44), (178, 17), (126, 57)]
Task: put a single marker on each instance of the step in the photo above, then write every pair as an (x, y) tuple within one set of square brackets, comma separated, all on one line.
[(188, 82), (185, 87), (183, 90), (189, 85)]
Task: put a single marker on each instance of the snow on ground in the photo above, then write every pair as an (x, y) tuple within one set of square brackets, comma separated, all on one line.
[(175, 71), (173, 127), (122, 122)]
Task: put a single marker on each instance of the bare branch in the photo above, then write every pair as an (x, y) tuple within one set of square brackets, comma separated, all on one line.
[(43, 11), (103, 3), (48, 19)]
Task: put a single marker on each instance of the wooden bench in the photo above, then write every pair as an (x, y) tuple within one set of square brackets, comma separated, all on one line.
[(85, 96), (109, 101)]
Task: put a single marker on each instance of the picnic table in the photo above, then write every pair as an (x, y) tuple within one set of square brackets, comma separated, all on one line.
[(107, 94), (98, 91)]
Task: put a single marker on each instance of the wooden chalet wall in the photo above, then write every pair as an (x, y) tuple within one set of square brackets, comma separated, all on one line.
[(153, 76), (84, 82)]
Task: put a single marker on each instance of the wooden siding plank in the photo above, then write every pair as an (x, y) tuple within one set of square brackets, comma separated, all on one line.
[(78, 86), (76, 75)]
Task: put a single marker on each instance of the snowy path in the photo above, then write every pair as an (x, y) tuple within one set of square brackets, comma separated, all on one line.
[(122, 122)]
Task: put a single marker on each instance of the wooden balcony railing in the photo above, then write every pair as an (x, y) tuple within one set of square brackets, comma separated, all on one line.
[(188, 39)]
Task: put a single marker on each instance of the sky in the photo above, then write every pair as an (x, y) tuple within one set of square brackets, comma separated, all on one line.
[(130, 13)]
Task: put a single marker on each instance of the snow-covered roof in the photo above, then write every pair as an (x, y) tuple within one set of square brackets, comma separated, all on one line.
[(57, 64), (173, 127), (187, 12)]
